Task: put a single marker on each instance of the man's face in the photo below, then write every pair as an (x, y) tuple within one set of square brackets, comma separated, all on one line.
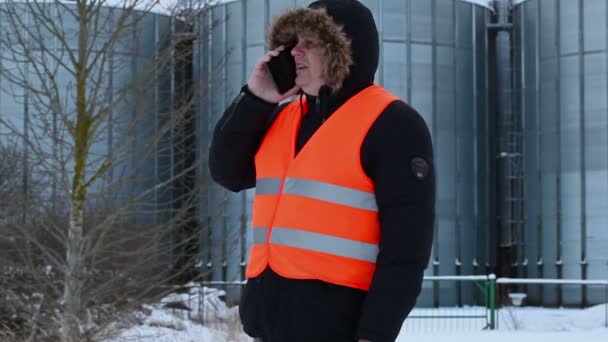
[(309, 66)]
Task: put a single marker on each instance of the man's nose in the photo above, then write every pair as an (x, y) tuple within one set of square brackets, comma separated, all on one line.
[(297, 50)]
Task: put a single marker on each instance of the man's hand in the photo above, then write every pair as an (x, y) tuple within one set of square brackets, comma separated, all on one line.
[(261, 83)]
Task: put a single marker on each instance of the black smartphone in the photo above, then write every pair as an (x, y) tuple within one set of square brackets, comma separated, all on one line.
[(283, 70)]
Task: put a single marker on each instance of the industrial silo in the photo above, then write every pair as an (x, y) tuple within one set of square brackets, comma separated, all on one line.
[(560, 64), (434, 56), (130, 125)]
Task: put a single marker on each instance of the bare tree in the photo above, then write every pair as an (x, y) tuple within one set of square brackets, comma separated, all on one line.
[(102, 103), (11, 161)]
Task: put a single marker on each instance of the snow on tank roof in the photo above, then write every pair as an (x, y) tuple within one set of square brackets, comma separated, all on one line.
[(154, 6), (158, 6), (484, 3), (517, 2)]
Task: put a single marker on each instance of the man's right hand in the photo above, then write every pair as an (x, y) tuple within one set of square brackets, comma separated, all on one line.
[(261, 83)]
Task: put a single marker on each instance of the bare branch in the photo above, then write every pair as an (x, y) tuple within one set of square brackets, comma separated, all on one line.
[(101, 217)]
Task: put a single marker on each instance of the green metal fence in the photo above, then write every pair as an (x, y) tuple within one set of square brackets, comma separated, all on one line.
[(482, 291), (481, 315), (502, 283)]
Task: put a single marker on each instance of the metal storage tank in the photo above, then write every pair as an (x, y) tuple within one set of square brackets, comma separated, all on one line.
[(136, 47), (561, 63), (434, 56)]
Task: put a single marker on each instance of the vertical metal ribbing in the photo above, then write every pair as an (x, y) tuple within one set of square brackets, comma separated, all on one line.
[(408, 43), (226, 86), (244, 41), (436, 287), (538, 144), (177, 259), (227, 230), (172, 105), (490, 206), (457, 166), (226, 237), (209, 120), (55, 118), (235, 208), (583, 175), (110, 99), (559, 262), (266, 17), (26, 126), (520, 139), (245, 242), (476, 141), (217, 195), (155, 119), (381, 40), (506, 108), (606, 76)]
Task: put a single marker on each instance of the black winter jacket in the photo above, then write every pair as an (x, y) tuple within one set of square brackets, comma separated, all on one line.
[(406, 210), (397, 156)]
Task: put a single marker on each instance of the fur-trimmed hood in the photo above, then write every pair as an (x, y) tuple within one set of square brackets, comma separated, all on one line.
[(347, 30), (317, 26)]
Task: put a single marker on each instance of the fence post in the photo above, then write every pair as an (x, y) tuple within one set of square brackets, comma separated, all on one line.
[(492, 300)]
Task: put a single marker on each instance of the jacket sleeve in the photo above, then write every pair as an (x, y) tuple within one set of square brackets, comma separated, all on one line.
[(236, 139), (397, 155)]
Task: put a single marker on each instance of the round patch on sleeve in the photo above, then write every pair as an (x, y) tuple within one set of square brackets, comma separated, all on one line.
[(419, 167)]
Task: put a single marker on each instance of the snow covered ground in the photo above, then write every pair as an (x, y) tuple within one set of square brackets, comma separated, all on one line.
[(180, 317), (525, 324), (500, 336)]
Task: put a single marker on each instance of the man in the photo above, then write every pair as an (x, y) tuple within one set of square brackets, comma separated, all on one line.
[(345, 185)]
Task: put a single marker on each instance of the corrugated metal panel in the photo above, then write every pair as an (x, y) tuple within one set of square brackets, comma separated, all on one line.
[(132, 125), (132, 52), (562, 91)]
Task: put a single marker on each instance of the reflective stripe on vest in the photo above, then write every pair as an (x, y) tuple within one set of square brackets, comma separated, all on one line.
[(318, 190), (267, 186), (318, 242)]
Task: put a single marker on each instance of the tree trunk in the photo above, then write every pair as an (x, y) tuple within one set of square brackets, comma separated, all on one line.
[(72, 301), (70, 320)]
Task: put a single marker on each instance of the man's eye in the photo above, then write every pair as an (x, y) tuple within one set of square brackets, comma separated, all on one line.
[(307, 44)]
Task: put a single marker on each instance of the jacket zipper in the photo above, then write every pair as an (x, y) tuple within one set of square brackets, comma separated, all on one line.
[(318, 109)]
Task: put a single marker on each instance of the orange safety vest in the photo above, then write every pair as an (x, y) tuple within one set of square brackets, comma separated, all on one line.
[(315, 215)]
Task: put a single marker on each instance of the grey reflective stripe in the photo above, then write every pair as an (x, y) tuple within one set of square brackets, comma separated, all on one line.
[(324, 243), (259, 235), (267, 186), (331, 193)]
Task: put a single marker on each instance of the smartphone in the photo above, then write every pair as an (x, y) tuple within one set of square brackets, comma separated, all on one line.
[(283, 70)]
